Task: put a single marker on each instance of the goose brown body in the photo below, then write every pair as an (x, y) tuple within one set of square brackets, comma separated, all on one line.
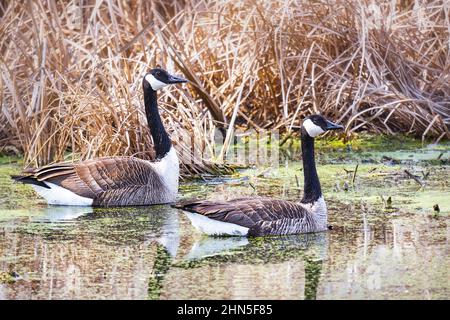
[(262, 216), (109, 181)]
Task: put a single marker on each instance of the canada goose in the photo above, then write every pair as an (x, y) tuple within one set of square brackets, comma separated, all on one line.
[(267, 216), (116, 181)]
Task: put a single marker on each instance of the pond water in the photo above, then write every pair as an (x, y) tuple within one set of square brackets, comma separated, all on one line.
[(378, 248)]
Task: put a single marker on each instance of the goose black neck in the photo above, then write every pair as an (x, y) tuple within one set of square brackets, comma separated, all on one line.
[(160, 137), (312, 190)]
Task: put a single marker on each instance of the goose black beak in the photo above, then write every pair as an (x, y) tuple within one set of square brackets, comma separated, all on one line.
[(333, 126), (174, 79)]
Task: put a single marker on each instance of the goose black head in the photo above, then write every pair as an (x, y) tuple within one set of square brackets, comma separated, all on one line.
[(316, 125), (158, 78)]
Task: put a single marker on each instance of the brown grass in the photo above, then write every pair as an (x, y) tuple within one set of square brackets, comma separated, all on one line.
[(71, 75)]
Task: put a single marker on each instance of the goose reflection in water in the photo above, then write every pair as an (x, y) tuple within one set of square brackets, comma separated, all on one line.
[(200, 265), (168, 260), (61, 213)]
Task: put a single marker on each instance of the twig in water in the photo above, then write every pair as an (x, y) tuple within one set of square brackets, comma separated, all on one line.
[(390, 159), (425, 175), (415, 178), (296, 180), (436, 208), (354, 174), (389, 203)]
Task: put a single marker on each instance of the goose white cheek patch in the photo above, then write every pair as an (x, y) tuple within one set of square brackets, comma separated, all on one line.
[(312, 129), (155, 83)]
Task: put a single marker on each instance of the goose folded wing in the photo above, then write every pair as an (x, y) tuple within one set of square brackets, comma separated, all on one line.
[(93, 177), (246, 212)]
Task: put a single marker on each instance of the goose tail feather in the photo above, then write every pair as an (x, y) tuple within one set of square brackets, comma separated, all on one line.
[(29, 180), (188, 205)]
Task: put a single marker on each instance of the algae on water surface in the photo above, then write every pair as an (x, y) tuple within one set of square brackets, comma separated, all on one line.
[(387, 240)]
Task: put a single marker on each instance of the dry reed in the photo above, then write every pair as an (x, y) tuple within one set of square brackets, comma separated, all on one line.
[(71, 71)]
